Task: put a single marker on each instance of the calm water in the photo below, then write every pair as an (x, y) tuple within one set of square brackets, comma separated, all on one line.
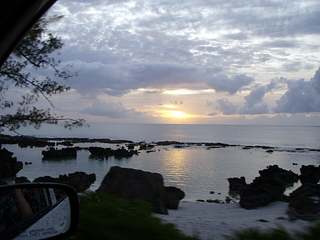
[(194, 169)]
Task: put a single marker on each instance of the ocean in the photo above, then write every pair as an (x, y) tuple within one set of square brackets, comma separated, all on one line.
[(201, 172)]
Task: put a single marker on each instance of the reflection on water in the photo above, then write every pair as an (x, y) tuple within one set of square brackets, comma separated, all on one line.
[(175, 166), (194, 169)]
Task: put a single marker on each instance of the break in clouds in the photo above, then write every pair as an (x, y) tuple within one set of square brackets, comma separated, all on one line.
[(245, 57)]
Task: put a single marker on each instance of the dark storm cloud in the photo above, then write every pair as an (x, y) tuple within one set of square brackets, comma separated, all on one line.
[(222, 83)]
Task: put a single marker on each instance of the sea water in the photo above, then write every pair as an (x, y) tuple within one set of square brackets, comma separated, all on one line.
[(199, 171)]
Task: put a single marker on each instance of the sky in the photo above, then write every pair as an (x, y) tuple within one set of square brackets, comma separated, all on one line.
[(190, 62)]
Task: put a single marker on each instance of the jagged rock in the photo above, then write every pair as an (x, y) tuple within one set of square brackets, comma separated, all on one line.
[(80, 181), (26, 141), (144, 146), (305, 202), (100, 151), (173, 197), (22, 180), (260, 192), (124, 153), (2, 182), (131, 146), (132, 184), (46, 179), (285, 177), (269, 187), (60, 153), (217, 145), (9, 166), (108, 152), (237, 184), (247, 147), (309, 174)]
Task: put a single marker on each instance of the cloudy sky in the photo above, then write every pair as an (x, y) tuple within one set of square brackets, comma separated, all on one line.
[(196, 61)]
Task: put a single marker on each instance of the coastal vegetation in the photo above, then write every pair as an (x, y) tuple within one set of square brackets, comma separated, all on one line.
[(312, 232), (104, 216), (34, 51)]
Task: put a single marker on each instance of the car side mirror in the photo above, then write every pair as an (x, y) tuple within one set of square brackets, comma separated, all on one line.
[(38, 211)]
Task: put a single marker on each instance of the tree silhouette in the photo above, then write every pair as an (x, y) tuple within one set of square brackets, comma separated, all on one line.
[(34, 51)]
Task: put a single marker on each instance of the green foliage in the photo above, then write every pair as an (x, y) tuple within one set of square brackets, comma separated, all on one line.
[(257, 234), (34, 50), (103, 216), (310, 233)]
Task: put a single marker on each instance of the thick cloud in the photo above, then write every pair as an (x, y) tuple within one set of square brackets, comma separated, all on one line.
[(222, 83), (110, 109), (121, 46), (302, 96), (254, 109), (254, 102), (119, 79), (226, 107)]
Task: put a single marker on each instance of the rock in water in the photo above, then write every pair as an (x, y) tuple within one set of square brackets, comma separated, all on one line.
[(60, 153), (267, 188), (132, 184), (305, 202), (80, 181), (237, 184), (309, 174), (173, 197), (9, 166)]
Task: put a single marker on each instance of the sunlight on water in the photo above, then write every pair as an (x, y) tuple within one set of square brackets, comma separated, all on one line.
[(197, 170)]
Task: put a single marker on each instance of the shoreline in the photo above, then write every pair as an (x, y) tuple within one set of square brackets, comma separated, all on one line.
[(212, 221), (33, 141), (205, 220)]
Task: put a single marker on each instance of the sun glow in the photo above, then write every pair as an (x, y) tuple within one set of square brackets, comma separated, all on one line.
[(169, 106), (177, 114), (179, 92)]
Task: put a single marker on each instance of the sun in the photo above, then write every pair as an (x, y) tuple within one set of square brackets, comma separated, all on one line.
[(177, 114)]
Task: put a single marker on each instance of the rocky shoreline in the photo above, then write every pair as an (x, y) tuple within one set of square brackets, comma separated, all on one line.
[(266, 188), (31, 141)]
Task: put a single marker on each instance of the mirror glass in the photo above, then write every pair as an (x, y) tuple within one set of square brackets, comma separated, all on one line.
[(34, 213)]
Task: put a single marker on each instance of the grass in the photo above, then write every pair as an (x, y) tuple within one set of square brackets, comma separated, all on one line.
[(312, 232), (103, 216)]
